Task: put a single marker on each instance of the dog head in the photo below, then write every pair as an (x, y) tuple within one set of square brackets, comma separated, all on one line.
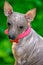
[(17, 22)]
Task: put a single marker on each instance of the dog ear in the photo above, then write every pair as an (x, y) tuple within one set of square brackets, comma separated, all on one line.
[(7, 9), (30, 15)]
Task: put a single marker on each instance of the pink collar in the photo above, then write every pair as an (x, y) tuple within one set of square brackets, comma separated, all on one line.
[(22, 35)]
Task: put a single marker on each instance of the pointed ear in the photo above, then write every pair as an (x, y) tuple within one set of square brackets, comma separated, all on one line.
[(7, 9), (30, 15)]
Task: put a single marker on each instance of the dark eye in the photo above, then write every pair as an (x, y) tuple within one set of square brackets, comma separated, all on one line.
[(8, 23), (21, 27)]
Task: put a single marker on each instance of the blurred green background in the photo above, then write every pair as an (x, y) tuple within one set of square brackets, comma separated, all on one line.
[(22, 6)]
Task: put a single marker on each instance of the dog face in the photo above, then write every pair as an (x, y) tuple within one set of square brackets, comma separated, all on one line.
[(17, 23)]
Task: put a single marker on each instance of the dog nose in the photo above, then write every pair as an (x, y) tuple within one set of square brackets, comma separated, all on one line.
[(12, 37)]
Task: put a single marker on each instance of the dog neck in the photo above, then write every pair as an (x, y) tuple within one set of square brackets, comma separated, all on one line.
[(24, 34)]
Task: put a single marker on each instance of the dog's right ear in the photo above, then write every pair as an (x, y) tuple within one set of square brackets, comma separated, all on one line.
[(7, 9)]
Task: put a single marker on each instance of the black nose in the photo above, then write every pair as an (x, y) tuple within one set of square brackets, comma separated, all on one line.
[(12, 37)]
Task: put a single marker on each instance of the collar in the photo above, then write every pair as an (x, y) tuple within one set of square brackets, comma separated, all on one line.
[(20, 36)]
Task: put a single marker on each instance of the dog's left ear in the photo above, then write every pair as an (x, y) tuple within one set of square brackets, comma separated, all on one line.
[(7, 9), (30, 15)]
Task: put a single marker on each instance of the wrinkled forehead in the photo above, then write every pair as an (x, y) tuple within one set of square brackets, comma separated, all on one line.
[(16, 16)]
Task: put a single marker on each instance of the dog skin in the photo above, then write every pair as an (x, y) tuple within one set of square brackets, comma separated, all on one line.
[(29, 50)]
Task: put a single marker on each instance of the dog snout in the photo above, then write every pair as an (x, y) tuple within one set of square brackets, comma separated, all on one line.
[(12, 37)]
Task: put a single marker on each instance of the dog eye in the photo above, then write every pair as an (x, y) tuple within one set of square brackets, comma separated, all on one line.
[(21, 27), (9, 23)]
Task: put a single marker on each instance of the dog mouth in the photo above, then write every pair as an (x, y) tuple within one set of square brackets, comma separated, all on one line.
[(13, 39)]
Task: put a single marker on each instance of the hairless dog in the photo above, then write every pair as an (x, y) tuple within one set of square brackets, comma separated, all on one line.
[(29, 48)]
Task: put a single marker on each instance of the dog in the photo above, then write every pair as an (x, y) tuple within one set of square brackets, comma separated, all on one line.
[(29, 49)]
